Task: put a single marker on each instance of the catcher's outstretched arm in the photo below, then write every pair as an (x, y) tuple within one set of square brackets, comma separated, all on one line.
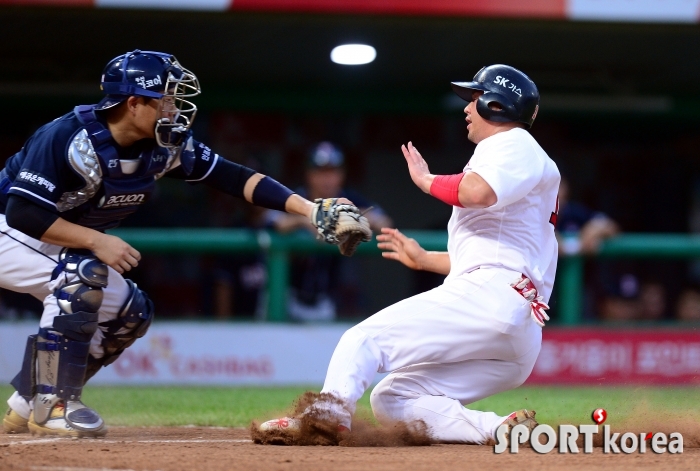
[(407, 251)]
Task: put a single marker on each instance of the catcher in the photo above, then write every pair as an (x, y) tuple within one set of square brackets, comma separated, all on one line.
[(81, 175)]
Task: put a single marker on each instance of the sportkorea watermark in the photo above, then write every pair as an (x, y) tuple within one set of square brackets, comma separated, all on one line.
[(544, 439)]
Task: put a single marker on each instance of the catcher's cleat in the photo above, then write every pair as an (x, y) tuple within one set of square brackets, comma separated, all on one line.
[(288, 425), (521, 417), (12, 422), (57, 424)]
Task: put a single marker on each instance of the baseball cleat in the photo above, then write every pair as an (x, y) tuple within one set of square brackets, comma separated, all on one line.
[(521, 417), (14, 423), (285, 424), (57, 424), (291, 427)]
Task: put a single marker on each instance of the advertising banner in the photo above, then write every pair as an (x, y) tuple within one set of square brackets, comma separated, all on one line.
[(608, 357), (284, 354), (647, 11), (205, 353)]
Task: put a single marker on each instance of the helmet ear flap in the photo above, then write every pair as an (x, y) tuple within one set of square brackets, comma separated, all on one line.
[(507, 112)]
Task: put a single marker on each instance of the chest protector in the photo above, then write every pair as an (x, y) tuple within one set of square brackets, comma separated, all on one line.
[(119, 194)]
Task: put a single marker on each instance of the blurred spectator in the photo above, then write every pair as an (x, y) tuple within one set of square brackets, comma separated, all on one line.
[(239, 280), (652, 301), (688, 305), (588, 228), (316, 280), (629, 299), (621, 300), (235, 286), (581, 230)]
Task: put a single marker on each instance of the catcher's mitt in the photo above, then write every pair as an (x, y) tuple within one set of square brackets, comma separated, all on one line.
[(340, 224)]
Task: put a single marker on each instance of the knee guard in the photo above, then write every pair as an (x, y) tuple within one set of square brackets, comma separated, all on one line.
[(84, 292), (132, 323), (62, 351)]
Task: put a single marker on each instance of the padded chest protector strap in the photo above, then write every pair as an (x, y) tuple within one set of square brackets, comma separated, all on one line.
[(100, 137)]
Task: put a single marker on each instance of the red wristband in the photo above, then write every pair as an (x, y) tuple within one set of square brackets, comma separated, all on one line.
[(446, 188)]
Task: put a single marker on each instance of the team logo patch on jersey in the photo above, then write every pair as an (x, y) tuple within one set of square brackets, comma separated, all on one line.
[(119, 201), (36, 179)]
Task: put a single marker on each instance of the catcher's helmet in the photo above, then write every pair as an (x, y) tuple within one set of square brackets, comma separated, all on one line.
[(153, 75), (516, 94)]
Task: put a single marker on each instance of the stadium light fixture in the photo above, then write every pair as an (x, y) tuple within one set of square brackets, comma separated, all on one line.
[(353, 54)]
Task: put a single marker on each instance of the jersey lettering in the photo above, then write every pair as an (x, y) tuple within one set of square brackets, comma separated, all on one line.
[(117, 201), (206, 152), (36, 179)]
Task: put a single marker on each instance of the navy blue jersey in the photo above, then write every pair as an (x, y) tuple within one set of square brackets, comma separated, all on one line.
[(59, 170)]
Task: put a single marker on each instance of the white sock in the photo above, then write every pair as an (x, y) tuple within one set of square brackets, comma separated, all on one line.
[(19, 405)]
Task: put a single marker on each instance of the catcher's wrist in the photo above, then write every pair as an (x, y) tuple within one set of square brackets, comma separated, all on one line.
[(298, 205), (308, 210)]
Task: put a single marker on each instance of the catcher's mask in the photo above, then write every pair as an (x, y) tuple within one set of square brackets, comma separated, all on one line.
[(153, 75), (516, 94)]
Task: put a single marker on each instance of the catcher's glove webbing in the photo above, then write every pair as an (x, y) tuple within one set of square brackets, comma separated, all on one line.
[(340, 224)]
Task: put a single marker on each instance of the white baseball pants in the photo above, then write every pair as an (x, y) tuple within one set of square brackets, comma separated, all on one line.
[(466, 340), (26, 265)]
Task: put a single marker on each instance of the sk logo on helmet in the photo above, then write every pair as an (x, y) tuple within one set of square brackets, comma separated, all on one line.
[(501, 80), (510, 86)]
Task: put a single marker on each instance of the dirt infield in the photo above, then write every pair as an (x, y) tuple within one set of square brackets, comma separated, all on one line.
[(224, 449)]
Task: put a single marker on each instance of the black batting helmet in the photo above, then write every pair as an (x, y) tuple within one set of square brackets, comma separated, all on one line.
[(516, 94)]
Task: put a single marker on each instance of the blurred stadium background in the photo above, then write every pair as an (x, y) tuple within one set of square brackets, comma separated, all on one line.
[(620, 115)]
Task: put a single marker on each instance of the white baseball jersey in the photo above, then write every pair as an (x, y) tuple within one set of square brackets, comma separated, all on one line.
[(516, 232)]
